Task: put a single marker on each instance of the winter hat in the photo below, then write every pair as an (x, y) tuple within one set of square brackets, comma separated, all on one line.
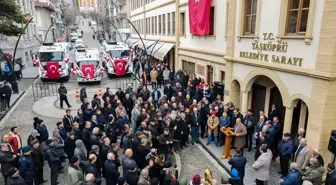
[(58, 123), (78, 142), (95, 148), (73, 159), (72, 133), (38, 121), (34, 142), (121, 180), (26, 149), (55, 130), (12, 171), (33, 132), (49, 141), (196, 179), (35, 119)]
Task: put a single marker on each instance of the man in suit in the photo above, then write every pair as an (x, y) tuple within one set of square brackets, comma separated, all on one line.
[(240, 133), (259, 128), (262, 165), (302, 155), (300, 134), (286, 147), (195, 123), (238, 162), (274, 113), (317, 155), (277, 136)]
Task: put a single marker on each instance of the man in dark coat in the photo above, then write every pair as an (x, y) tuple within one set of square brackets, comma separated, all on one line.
[(128, 104), (238, 161), (132, 176), (70, 145), (103, 153), (14, 177), (42, 130), (7, 160), (277, 136), (68, 120), (91, 168), (86, 133), (249, 122), (53, 160), (205, 113), (169, 91), (95, 138), (185, 127), (286, 150), (62, 91), (111, 170), (77, 131), (38, 161), (165, 143), (142, 152), (83, 94), (120, 94), (27, 168)]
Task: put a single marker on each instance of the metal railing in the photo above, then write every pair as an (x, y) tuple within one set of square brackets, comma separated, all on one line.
[(123, 83), (41, 90)]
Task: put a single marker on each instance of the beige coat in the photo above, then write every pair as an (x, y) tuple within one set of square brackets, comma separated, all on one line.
[(215, 123), (240, 140), (302, 159), (262, 166), (154, 75)]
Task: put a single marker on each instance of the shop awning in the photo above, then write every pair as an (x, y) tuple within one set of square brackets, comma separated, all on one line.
[(133, 42), (147, 43), (154, 47), (162, 51)]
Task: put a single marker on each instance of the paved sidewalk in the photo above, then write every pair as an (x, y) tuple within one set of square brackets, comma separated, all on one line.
[(249, 178), (30, 72)]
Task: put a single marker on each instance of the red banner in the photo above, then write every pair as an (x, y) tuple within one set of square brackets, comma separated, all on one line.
[(52, 70), (120, 67), (199, 17), (88, 69)]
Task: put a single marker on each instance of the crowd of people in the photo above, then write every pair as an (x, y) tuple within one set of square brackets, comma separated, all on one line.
[(137, 131)]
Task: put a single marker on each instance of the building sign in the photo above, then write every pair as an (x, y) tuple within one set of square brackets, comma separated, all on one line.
[(200, 70), (271, 46)]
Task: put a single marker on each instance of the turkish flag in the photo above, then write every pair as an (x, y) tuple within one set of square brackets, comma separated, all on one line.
[(88, 69), (199, 17), (52, 70), (120, 67)]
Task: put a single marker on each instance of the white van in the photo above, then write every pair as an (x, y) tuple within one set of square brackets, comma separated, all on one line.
[(73, 37)]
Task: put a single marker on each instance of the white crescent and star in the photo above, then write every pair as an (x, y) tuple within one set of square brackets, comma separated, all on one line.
[(88, 69), (120, 65), (53, 68), (197, 1)]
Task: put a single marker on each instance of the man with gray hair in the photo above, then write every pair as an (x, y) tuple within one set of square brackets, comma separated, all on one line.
[(317, 155), (95, 138), (300, 135), (293, 177), (111, 169), (313, 173), (302, 154), (89, 179)]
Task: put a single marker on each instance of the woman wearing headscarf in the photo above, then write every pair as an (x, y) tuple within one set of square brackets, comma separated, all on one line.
[(81, 153), (208, 179)]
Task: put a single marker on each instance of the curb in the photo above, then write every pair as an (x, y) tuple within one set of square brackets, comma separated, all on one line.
[(228, 170), (178, 163)]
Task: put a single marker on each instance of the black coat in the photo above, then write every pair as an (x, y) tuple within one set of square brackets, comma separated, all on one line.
[(128, 104), (111, 132), (86, 133), (132, 178), (142, 152), (78, 133), (234, 118), (16, 181), (92, 169), (168, 91), (331, 178), (95, 140), (42, 130), (7, 160), (112, 173), (120, 94), (37, 157), (69, 147), (194, 120), (205, 113), (67, 122), (103, 152)]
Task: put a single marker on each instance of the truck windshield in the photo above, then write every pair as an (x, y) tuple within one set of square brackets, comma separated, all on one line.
[(83, 62), (118, 53), (51, 56)]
